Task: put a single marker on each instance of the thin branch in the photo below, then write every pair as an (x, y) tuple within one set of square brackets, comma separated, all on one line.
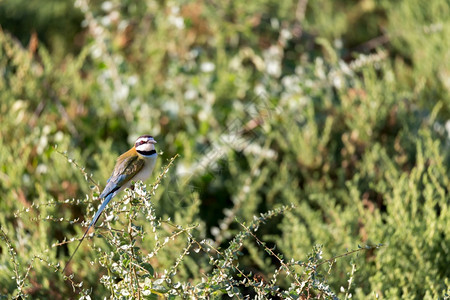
[(82, 169)]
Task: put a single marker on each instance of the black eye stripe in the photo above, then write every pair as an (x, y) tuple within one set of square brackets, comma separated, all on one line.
[(144, 139)]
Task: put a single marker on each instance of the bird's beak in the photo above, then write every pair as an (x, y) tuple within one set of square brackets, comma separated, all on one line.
[(152, 142)]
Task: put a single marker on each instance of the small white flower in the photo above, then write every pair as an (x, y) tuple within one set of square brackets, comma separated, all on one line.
[(41, 169), (273, 67), (176, 21), (96, 52), (285, 34), (107, 6), (207, 67), (190, 94), (105, 21), (215, 231), (447, 127)]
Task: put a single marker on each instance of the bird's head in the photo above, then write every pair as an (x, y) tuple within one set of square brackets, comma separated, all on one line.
[(145, 145)]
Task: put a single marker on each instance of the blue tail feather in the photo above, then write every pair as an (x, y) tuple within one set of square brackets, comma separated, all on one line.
[(100, 210), (93, 222)]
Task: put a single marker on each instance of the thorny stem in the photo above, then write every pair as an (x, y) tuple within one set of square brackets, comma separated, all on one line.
[(57, 268), (13, 257), (220, 253), (349, 253), (162, 174), (175, 234), (132, 265), (82, 169), (288, 271), (350, 280)]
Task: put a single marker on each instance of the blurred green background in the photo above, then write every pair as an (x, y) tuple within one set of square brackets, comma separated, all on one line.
[(341, 108)]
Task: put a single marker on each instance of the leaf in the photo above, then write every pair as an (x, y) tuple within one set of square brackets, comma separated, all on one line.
[(148, 267)]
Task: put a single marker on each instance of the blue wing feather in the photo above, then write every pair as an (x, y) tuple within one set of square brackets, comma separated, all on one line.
[(113, 183), (125, 169)]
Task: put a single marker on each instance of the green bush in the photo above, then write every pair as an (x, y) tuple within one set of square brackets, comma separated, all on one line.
[(312, 141)]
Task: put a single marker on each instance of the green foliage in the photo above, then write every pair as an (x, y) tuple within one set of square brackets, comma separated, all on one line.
[(303, 129)]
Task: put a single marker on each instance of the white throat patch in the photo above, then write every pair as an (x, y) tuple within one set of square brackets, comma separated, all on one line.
[(145, 147)]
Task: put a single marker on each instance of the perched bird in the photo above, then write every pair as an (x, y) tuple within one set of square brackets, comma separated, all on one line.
[(135, 164)]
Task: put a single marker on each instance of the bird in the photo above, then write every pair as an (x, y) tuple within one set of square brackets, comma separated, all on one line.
[(133, 165)]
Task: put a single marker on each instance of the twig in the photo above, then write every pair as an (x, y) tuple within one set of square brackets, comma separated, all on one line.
[(82, 169), (289, 272)]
